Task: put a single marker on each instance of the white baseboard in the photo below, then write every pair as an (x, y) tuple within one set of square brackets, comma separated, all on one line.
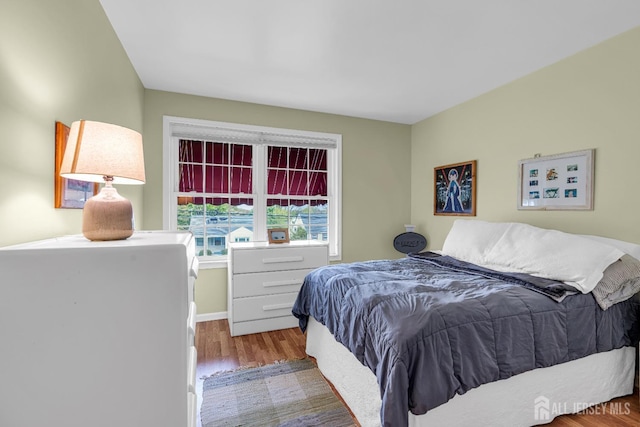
[(205, 317)]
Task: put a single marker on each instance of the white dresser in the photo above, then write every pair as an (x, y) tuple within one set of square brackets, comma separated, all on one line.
[(264, 280), (98, 333)]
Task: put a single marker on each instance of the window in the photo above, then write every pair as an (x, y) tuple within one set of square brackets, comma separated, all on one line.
[(229, 183)]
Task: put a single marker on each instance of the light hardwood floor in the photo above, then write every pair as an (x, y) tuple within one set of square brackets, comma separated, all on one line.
[(218, 351)]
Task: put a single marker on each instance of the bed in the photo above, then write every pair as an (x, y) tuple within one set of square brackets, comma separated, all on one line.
[(508, 325)]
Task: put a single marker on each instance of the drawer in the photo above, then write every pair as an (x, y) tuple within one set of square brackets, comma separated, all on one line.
[(195, 267), (191, 286), (191, 324), (273, 282), (263, 307), (192, 409), (191, 281), (192, 361), (191, 250), (276, 259)]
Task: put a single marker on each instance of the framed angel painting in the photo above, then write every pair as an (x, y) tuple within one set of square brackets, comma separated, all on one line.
[(454, 190)]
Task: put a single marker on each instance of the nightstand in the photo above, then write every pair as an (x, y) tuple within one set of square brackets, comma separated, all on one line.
[(264, 280)]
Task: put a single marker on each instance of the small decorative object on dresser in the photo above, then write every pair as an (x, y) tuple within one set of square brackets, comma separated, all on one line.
[(264, 281), (278, 235)]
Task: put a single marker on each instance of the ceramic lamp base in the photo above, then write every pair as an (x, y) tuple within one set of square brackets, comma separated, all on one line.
[(107, 216)]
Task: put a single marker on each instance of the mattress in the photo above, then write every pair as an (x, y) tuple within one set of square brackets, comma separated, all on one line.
[(531, 398)]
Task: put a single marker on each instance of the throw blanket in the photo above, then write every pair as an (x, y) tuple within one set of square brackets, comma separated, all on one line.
[(430, 326)]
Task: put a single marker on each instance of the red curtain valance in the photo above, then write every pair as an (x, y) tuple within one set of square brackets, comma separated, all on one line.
[(215, 167)]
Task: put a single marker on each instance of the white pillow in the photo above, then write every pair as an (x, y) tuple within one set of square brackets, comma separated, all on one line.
[(552, 254), (470, 240), (626, 247), (523, 248)]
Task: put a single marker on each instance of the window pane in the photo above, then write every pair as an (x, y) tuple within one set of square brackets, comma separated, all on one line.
[(298, 158), (317, 183), (318, 159), (190, 178), (241, 180), (299, 220), (319, 220), (185, 209), (217, 179), (277, 181), (298, 183), (241, 220), (241, 155), (217, 153), (190, 151), (190, 218), (308, 219), (277, 157), (277, 213), (214, 230), (305, 219)]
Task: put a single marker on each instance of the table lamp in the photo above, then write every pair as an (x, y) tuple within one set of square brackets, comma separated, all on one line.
[(102, 152)]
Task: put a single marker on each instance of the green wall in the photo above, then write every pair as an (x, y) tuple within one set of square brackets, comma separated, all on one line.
[(59, 61), (375, 176), (590, 100)]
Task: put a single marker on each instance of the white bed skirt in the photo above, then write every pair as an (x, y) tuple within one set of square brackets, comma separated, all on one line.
[(531, 398)]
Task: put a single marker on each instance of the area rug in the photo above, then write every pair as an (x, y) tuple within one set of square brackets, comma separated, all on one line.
[(291, 393)]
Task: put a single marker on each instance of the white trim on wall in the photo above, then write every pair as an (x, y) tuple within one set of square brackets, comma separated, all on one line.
[(206, 317)]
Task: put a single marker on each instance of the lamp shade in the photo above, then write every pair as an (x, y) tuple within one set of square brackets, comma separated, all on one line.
[(95, 150)]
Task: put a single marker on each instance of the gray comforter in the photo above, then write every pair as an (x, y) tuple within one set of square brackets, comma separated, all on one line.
[(430, 326)]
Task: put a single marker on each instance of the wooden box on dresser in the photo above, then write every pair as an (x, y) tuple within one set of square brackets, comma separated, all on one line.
[(264, 280), (98, 333)]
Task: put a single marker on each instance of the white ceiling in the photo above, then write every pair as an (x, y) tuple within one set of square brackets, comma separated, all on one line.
[(400, 61)]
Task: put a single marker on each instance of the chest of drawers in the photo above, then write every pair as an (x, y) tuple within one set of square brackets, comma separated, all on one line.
[(98, 333), (264, 280)]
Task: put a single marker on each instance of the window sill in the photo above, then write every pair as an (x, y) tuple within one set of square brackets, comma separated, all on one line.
[(211, 264)]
